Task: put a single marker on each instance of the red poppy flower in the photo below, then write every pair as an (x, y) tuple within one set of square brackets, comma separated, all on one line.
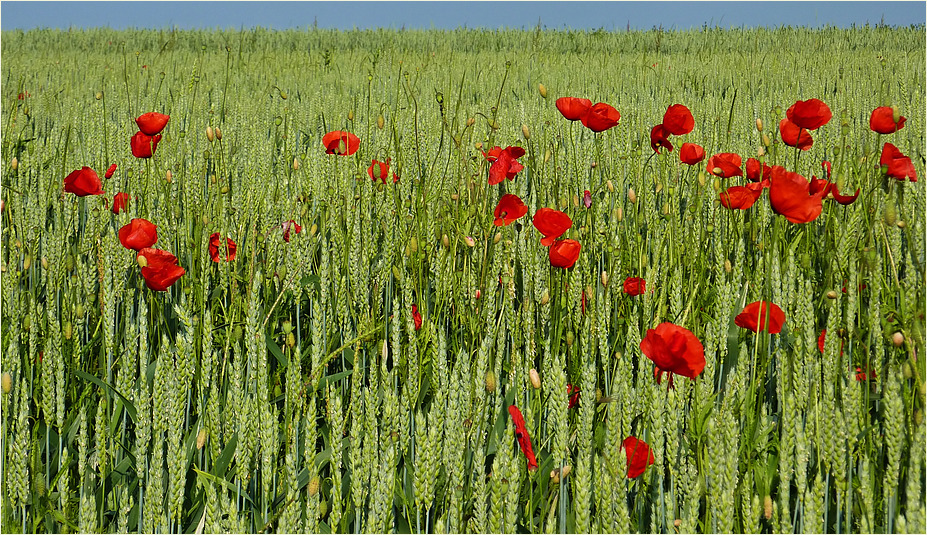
[(110, 171), (635, 286), (794, 136), (883, 121), (862, 375), (515, 152), (725, 165), (757, 171), (691, 154), (521, 434), (791, 196), (506, 165), (639, 456), (573, 108), (739, 197), (509, 209), (120, 200), (138, 234), (83, 182), (899, 165), (573, 392), (152, 123), (552, 224), (587, 199), (674, 349), (753, 317), (380, 170), (564, 253), (215, 243), (600, 117), (821, 342), (810, 114), (340, 142), (416, 317), (658, 138), (287, 226), (678, 120), (144, 146), (160, 269)]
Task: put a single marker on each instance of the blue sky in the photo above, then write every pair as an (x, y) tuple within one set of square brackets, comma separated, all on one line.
[(449, 15)]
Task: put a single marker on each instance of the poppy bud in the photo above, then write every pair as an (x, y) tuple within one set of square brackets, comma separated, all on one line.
[(890, 214), (896, 115), (413, 245), (610, 186), (313, 486), (14, 164), (445, 241), (545, 297), (313, 229), (490, 381), (201, 438), (632, 196), (384, 349), (98, 95), (677, 522), (604, 278), (534, 378), (169, 176), (761, 152), (547, 155), (380, 122), (27, 262), (918, 417), (701, 178), (727, 266), (716, 184), (576, 201), (323, 508), (79, 311), (556, 474), (832, 295), (569, 338), (478, 144), (218, 134), (898, 339), (767, 507), (900, 224), (471, 121), (350, 115), (290, 340), (525, 132), (543, 91), (142, 261), (469, 241), (619, 214), (766, 142), (27, 323), (7, 382), (287, 327), (397, 273), (68, 330), (295, 164), (497, 238), (759, 124), (209, 134), (477, 294), (44, 262), (224, 190)]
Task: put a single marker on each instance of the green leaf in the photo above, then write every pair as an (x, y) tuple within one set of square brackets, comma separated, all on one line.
[(323, 382), (130, 408), (222, 463), (209, 478), (275, 350)]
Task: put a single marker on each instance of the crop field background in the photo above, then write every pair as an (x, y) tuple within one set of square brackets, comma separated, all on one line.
[(357, 375)]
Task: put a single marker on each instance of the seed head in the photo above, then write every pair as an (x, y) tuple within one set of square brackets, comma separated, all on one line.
[(525, 132), (632, 196), (759, 124), (490, 381), (380, 122), (14, 163)]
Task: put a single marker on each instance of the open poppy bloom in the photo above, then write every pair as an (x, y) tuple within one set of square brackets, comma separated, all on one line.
[(506, 165), (521, 435), (883, 121), (573, 392), (340, 142), (138, 234), (793, 197), (493, 154), (600, 117), (639, 456), (215, 242), (691, 154), (754, 316), (757, 171), (674, 350), (120, 200), (380, 170), (509, 209), (794, 136), (635, 286), (552, 224), (83, 182), (658, 139), (110, 171), (159, 268), (740, 197), (416, 317), (898, 165), (678, 120), (564, 253), (573, 108), (152, 123), (810, 114), (725, 165), (288, 226), (144, 146)]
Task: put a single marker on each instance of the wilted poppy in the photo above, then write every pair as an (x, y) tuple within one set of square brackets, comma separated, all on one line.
[(288, 226), (551, 223), (639, 456), (898, 165), (573, 108), (600, 117), (678, 120), (691, 154), (506, 165), (793, 197), (573, 393), (810, 114), (83, 182), (883, 120), (416, 317), (159, 268), (144, 146), (564, 253), (215, 242), (120, 200), (658, 138), (635, 286), (725, 165), (675, 350), (794, 136), (521, 435), (110, 171), (152, 123), (340, 142), (380, 170), (138, 234), (509, 209), (739, 197), (753, 317), (756, 171)]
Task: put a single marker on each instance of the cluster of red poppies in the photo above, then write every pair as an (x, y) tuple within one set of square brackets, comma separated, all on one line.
[(597, 117), (145, 141), (159, 268), (677, 121)]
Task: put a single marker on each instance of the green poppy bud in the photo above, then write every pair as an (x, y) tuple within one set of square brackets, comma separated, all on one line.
[(543, 91)]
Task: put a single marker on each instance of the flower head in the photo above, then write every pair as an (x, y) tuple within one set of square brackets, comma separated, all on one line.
[(639, 456), (505, 165), (120, 200), (521, 435), (678, 120), (793, 197), (635, 286), (757, 171), (795, 136), (600, 117), (725, 165), (810, 114), (152, 123), (691, 154), (110, 171), (509, 209), (340, 142), (564, 253), (215, 243), (551, 223), (416, 317), (883, 120), (161, 269), (658, 138), (138, 234), (380, 171), (83, 182), (754, 316), (740, 197), (898, 165), (674, 349), (573, 108), (288, 226), (143, 145)]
